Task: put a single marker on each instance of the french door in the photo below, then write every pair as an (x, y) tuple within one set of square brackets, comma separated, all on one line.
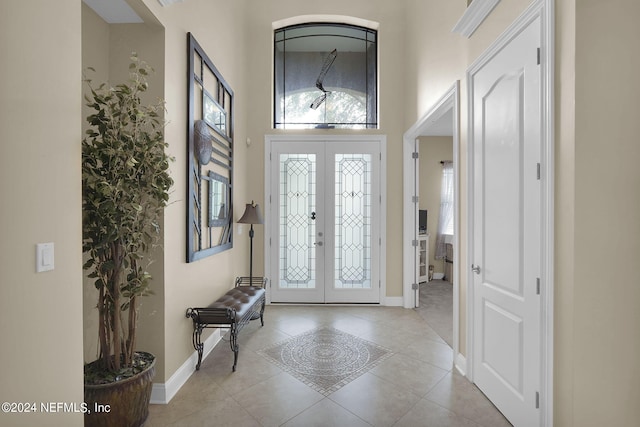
[(324, 218)]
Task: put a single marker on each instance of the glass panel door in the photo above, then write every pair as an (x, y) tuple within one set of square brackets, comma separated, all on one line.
[(296, 189), (326, 222), (353, 225)]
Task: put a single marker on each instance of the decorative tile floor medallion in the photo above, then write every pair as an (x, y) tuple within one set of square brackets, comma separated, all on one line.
[(325, 358)]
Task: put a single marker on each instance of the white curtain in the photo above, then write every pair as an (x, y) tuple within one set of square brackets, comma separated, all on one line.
[(445, 223)]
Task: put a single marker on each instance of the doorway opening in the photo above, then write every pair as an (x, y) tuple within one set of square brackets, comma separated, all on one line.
[(440, 123), (436, 228)]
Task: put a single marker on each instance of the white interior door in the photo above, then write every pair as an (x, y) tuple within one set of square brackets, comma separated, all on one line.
[(325, 206), (506, 235)]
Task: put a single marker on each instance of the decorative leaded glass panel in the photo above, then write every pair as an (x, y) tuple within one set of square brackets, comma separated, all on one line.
[(325, 77), (297, 225), (353, 221)]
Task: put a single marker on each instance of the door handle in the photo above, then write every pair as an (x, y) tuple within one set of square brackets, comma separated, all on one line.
[(313, 215), (475, 268)]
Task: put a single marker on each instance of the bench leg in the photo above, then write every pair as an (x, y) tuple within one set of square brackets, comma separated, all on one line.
[(197, 344), (233, 342), (262, 311)]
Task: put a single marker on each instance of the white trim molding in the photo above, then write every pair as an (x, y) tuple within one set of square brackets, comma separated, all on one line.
[(165, 3), (460, 363), (392, 301), (473, 16), (162, 393), (342, 19)]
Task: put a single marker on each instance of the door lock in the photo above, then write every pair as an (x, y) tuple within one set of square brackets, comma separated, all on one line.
[(313, 215), (318, 243), (475, 268)]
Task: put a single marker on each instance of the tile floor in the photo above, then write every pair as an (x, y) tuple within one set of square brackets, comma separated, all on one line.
[(417, 386)]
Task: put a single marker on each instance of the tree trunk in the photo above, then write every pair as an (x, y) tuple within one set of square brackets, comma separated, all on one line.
[(115, 313)]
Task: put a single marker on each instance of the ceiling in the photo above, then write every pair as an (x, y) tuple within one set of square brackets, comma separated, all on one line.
[(114, 11), (442, 126)]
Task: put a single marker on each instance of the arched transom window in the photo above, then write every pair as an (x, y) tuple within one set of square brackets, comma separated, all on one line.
[(325, 76)]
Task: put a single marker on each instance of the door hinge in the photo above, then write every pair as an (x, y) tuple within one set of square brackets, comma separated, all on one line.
[(538, 171), (537, 400), (415, 155), (380, 241), (415, 199), (380, 283), (538, 56), (414, 243), (537, 285), (415, 286)]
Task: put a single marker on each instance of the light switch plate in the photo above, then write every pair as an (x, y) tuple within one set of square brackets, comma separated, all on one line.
[(44, 257)]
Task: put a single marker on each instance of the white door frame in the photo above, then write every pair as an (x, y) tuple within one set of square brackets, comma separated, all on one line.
[(269, 232), (545, 10), (448, 101)]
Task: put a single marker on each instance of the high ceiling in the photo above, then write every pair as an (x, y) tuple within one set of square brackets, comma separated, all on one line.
[(114, 11)]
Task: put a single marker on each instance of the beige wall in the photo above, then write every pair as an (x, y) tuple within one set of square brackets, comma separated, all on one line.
[(219, 27), (40, 132), (436, 56), (95, 54), (606, 292), (433, 149), (564, 339), (390, 16)]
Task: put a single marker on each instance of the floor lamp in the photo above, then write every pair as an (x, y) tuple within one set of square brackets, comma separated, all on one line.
[(252, 215)]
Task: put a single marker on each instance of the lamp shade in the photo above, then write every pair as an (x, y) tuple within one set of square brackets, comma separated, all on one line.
[(252, 215)]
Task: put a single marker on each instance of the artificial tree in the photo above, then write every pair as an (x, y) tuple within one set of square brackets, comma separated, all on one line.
[(125, 187)]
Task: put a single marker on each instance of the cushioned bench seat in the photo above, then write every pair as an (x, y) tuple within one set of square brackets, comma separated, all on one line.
[(234, 309)]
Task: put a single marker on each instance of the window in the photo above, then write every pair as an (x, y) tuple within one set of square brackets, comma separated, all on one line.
[(325, 77), (445, 223)]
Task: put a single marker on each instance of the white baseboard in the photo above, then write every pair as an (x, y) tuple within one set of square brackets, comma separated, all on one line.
[(162, 393), (393, 301), (461, 364)]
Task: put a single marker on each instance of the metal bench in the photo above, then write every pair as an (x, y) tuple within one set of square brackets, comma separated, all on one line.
[(243, 303)]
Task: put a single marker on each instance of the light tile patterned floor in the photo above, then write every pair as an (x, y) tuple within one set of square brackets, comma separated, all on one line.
[(325, 358), (414, 386)]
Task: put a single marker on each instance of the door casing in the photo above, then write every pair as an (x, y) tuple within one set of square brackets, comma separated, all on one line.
[(448, 101)]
